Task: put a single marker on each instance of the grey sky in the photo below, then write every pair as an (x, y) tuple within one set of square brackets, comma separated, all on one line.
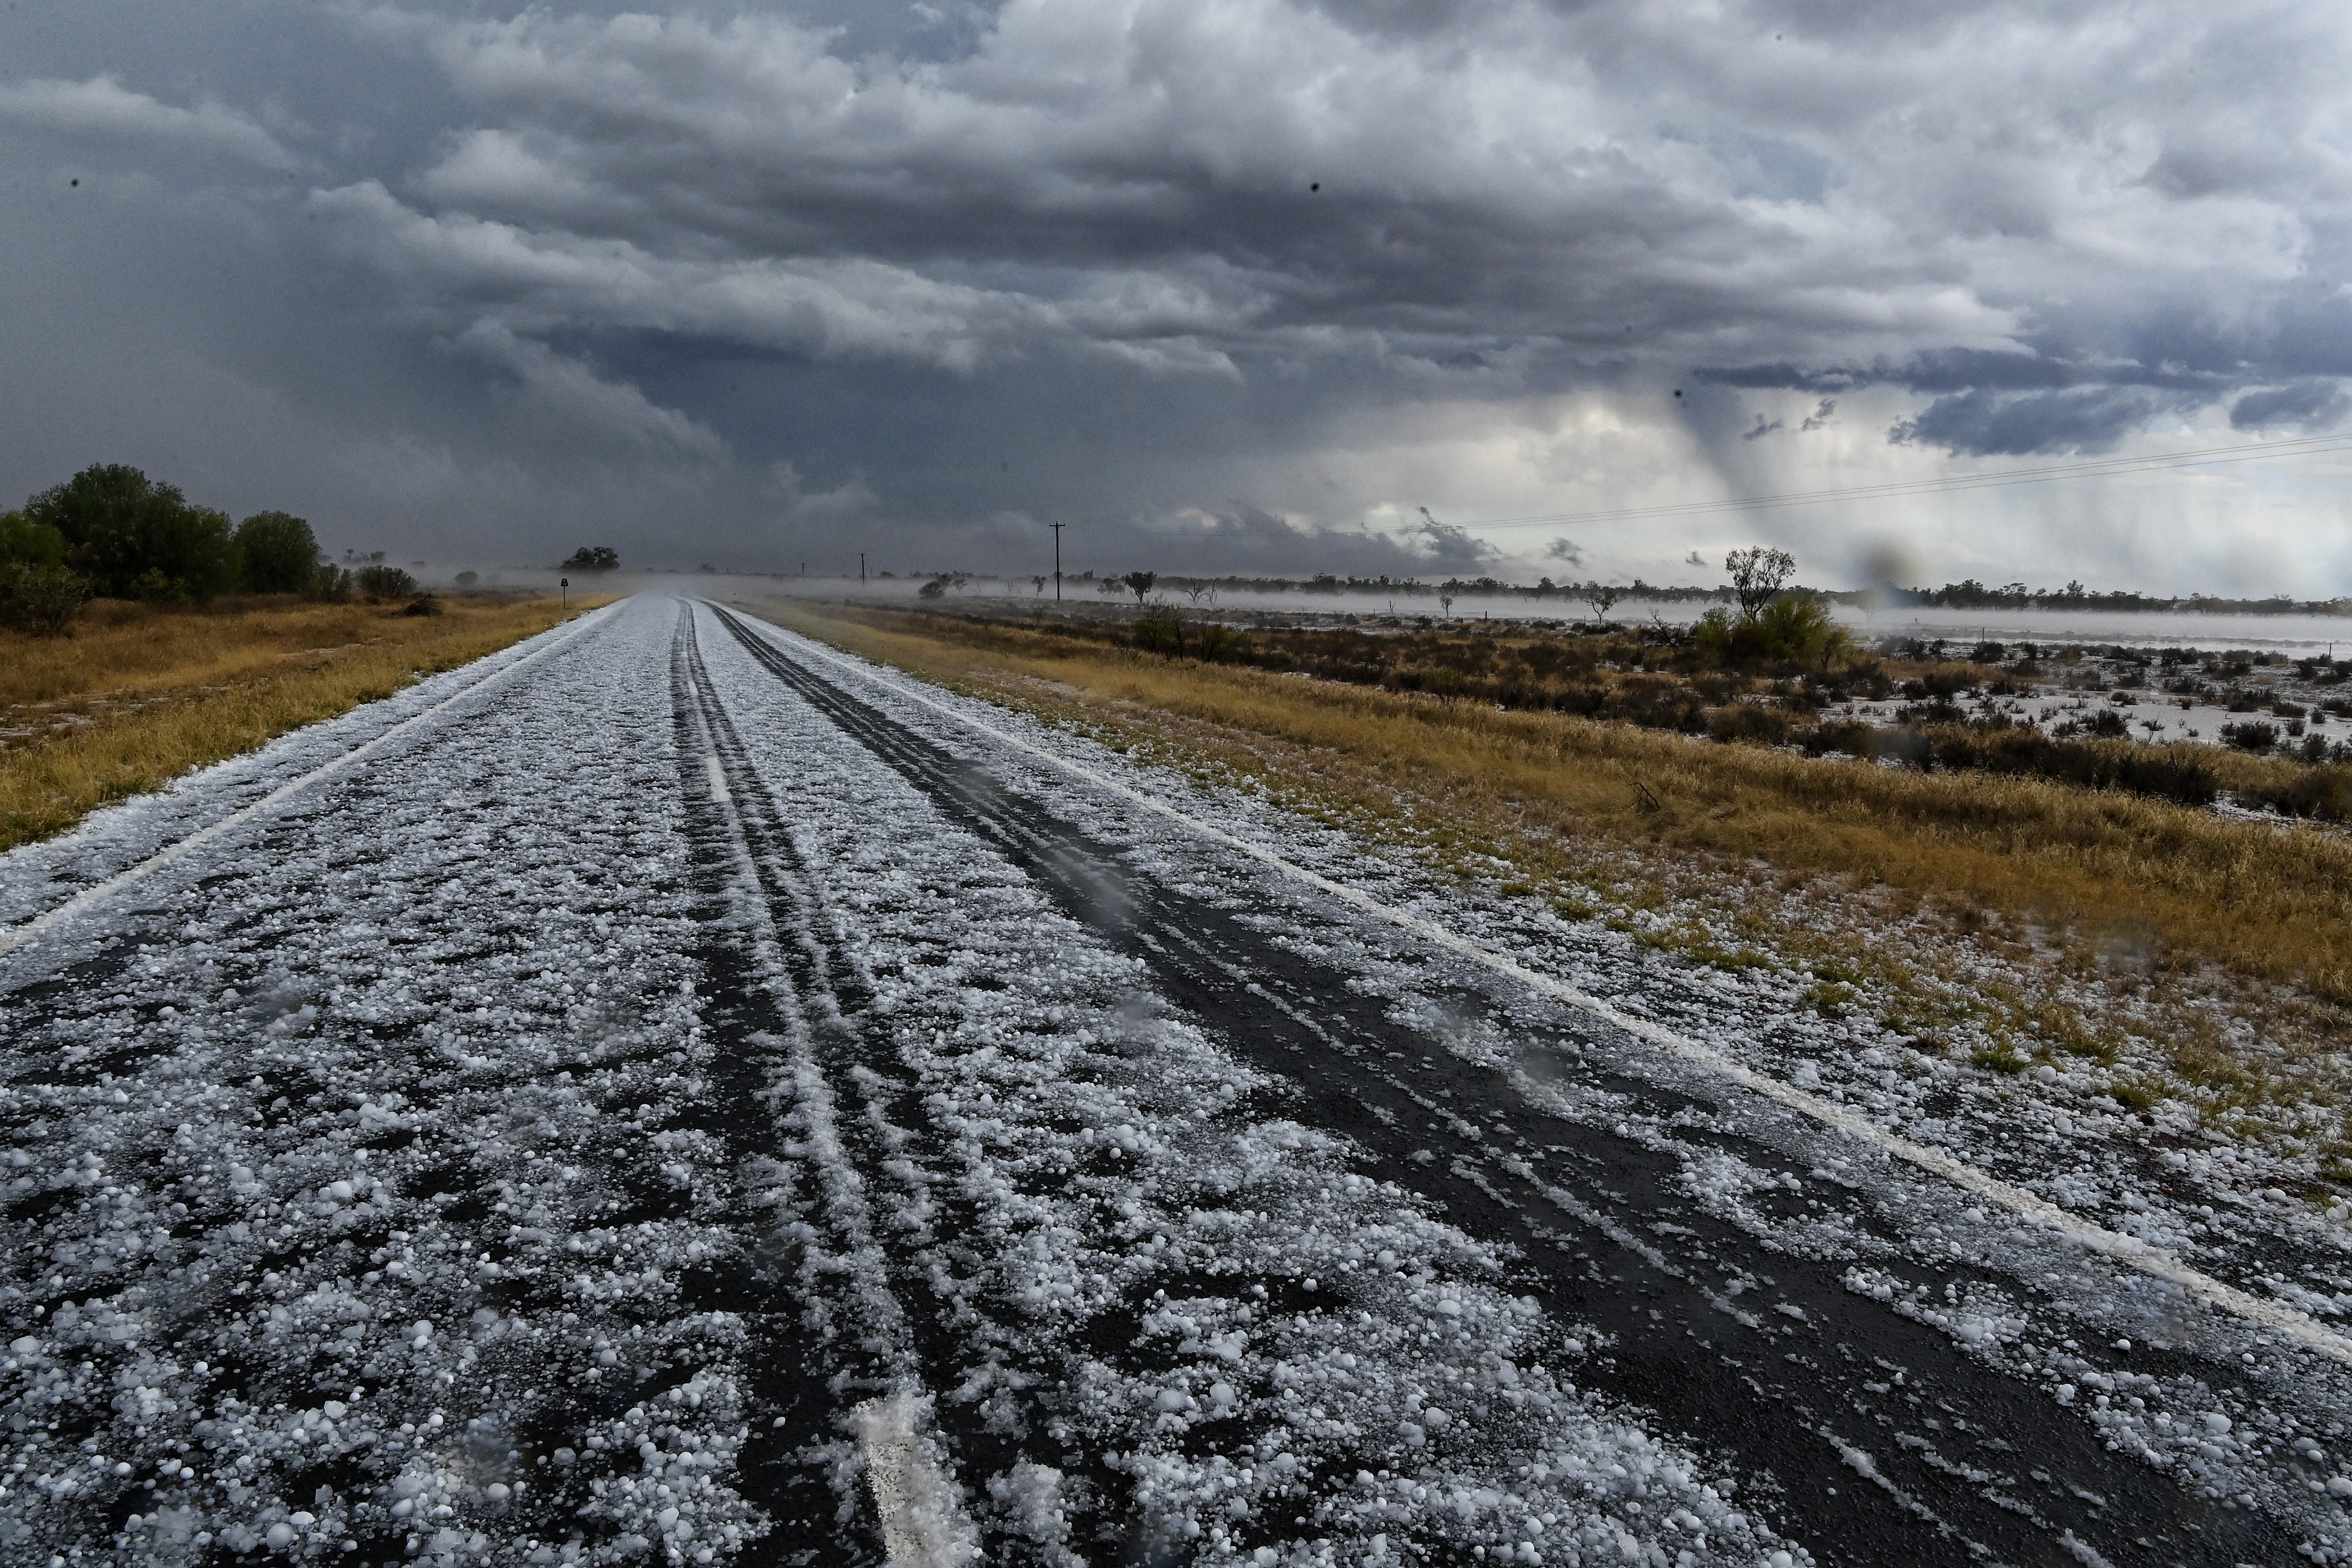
[(1226, 284)]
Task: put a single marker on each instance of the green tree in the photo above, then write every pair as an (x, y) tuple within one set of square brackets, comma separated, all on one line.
[(137, 538), (1141, 581), (593, 558), (1757, 574), (277, 553)]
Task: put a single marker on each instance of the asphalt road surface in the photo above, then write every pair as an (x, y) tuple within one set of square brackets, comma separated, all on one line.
[(678, 1095)]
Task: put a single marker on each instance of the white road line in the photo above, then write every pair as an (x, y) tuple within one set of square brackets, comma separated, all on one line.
[(2128, 1250), (923, 1524), (18, 936)]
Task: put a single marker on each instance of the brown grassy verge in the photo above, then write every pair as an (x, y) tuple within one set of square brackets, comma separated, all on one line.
[(139, 696), (2124, 914)]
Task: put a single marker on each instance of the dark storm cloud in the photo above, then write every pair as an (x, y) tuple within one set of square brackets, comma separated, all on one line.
[(2312, 405), (769, 279), (2079, 419)]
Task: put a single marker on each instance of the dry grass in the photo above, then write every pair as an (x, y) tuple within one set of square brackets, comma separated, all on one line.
[(136, 695), (2145, 901)]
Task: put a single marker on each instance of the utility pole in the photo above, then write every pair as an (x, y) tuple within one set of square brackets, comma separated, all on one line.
[(861, 568), (1058, 528)]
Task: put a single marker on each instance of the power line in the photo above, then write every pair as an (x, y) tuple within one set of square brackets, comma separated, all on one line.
[(2252, 452)]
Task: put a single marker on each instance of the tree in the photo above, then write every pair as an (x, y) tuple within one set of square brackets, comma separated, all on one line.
[(277, 553), (1140, 583), (137, 538), (1757, 574), (1602, 600), (23, 543), (593, 558)]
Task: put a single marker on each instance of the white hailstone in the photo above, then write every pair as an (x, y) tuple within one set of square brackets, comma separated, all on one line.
[(1221, 1393), (280, 1536), (497, 1491), (1435, 1418), (2217, 1424)]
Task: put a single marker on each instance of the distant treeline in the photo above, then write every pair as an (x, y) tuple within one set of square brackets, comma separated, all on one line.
[(1969, 594), (111, 532), (1972, 594)]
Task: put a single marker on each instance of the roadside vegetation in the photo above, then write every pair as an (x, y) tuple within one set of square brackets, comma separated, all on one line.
[(2041, 908), (112, 533), (142, 635), (140, 694)]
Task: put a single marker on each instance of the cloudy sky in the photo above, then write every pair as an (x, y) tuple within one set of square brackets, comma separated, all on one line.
[(1224, 285)]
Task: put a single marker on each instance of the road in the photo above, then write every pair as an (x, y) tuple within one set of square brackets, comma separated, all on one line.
[(679, 1095)]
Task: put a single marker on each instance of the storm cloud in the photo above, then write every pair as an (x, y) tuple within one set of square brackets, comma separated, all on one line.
[(1242, 284)]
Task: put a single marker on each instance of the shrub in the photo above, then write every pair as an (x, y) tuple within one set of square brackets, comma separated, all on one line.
[(23, 543), (2250, 736), (593, 558), (1159, 631), (1752, 721), (1786, 630), (40, 599), (1162, 631), (275, 554), (468, 579), (332, 584), (2167, 773), (2322, 792), (423, 605), (380, 582)]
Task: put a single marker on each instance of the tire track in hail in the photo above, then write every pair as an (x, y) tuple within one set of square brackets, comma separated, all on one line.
[(796, 1278), (1882, 1436), (900, 1219)]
